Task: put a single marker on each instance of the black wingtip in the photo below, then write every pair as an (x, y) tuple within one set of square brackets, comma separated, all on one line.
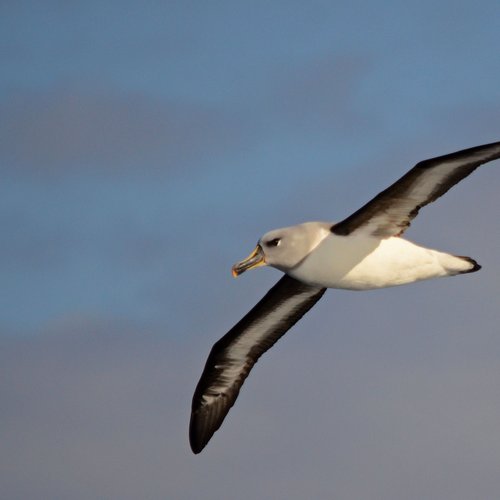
[(196, 450), (205, 421), (197, 439)]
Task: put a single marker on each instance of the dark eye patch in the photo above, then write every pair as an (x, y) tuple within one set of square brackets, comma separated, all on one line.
[(273, 243)]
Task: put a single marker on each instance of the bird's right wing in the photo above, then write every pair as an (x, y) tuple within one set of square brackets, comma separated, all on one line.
[(234, 355)]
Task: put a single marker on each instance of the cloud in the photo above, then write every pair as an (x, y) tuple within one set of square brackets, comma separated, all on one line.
[(86, 401), (72, 130), (97, 406)]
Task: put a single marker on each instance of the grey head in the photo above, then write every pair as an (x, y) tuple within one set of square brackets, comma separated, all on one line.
[(284, 248)]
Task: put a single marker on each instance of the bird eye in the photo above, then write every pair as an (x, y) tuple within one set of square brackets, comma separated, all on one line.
[(273, 243)]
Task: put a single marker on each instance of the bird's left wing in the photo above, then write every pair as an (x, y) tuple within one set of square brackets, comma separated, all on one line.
[(391, 211), (234, 355)]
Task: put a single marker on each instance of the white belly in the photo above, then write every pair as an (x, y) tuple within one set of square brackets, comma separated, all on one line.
[(363, 263)]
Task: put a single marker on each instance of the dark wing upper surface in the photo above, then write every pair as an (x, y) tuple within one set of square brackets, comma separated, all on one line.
[(391, 211), (234, 355)]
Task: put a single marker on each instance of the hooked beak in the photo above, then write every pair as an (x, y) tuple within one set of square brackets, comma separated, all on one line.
[(255, 259)]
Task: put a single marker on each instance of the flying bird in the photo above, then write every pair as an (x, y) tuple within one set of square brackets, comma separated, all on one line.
[(362, 252)]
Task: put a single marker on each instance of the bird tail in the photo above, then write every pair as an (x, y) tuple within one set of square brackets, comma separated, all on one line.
[(473, 265)]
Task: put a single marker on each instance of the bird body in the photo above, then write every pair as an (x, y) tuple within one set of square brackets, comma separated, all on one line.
[(364, 262)]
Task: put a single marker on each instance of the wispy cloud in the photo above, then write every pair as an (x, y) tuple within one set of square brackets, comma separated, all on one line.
[(71, 398), (96, 404), (70, 129)]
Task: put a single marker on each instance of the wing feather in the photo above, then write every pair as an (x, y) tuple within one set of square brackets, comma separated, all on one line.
[(391, 211), (234, 355)]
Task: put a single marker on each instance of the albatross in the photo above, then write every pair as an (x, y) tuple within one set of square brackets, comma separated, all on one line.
[(362, 252)]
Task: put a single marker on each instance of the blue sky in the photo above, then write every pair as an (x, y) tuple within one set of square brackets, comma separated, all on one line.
[(144, 148)]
